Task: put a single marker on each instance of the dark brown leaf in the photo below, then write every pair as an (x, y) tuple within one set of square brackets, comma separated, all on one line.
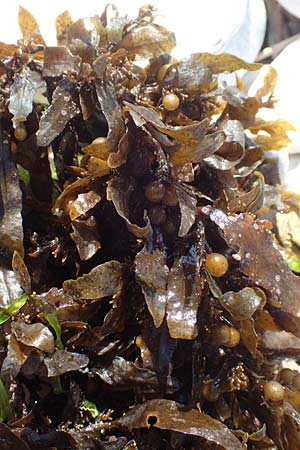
[(291, 429), (62, 109), (9, 287), (261, 261), (16, 356), (191, 143), (29, 27), (233, 149), (104, 280), (119, 197), (7, 50), (184, 292), (168, 415), (187, 205), (118, 158), (83, 203), (62, 21), (243, 304), (114, 322), (252, 159), (151, 273), (58, 60), (22, 93), (123, 374), (21, 272), (65, 307), (34, 335), (11, 229), (71, 192), (195, 145), (62, 361), (249, 336), (88, 100), (9, 441), (244, 110), (99, 148), (86, 237), (97, 167), (149, 40), (83, 37), (113, 114), (198, 69), (239, 200), (143, 115), (60, 440)]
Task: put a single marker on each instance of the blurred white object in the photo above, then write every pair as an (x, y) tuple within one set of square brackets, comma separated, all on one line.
[(287, 89), (293, 179), (292, 6), (288, 94), (211, 26), (248, 37), (233, 26)]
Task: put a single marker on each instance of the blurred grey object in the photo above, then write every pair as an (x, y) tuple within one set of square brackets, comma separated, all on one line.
[(246, 40), (292, 6)]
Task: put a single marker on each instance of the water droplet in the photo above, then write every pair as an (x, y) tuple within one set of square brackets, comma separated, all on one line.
[(63, 112)]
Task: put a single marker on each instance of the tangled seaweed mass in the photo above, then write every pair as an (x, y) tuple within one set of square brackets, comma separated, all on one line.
[(146, 300)]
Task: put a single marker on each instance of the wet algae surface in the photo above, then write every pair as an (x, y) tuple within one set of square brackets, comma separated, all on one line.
[(146, 301)]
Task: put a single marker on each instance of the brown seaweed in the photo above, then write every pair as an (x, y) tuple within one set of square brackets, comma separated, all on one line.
[(146, 295)]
